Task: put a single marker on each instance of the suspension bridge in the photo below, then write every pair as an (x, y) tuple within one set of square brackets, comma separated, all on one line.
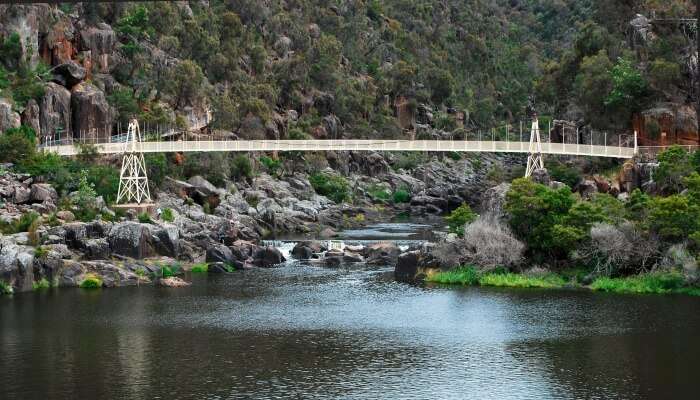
[(133, 187)]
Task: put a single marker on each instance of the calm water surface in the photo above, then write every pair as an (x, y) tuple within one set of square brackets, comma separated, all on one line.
[(303, 332)]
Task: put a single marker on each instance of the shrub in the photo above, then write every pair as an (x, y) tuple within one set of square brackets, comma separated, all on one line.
[(379, 192), (334, 187), (489, 244), (459, 218), (674, 218), (200, 268), (20, 225), (563, 173), (6, 288), (16, 148), (272, 165), (41, 284), (402, 196), (145, 218), (167, 271), (167, 215), (91, 281), (613, 249), (40, 252), (241, 167)]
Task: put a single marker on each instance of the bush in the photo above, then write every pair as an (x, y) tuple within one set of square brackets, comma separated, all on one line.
[(490, 244), (41, 284), (459, 218), (6, 288), (613, 249), (241, 167), (16, 148), (167, 271), (402, 196), (563, 173), (674, 165), (271, 165), (379, 192), (334, 187), (167, 215), (200, 268), (145, 218), (91, 281), (40, 252)]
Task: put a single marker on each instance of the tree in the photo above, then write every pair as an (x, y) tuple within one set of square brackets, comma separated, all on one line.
[(629, 87), (674, 218), (186, 81), (664, 74), (593, 84), (674, 165), (535, 210)]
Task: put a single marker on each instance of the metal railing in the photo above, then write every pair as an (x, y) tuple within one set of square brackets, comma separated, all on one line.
[(351, 145)]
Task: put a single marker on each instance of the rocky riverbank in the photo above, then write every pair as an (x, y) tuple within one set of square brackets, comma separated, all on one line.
[(221, 226)]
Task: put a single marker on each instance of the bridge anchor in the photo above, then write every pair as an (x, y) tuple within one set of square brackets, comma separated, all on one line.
[(535, 160), (133, 180)]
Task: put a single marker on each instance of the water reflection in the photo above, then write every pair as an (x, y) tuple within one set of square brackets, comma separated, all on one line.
[(313, 333)]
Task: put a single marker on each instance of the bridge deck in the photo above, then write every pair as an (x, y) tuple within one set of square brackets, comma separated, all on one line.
[(353, 145)]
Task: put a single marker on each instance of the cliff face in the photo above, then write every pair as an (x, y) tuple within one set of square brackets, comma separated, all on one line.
[(347, 69)]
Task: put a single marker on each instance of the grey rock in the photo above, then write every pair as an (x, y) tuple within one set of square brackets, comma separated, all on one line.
[(8, 117), (55, 111), (69, 74), (219, 254), (92, 116), (21, 195), (268, 257), (96, 249), (130, 239), (41, 192)]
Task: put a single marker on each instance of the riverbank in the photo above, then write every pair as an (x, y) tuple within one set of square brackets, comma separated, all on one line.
[(669, 282)]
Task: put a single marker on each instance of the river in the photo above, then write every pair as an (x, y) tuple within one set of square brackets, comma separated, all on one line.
[(306, 332)]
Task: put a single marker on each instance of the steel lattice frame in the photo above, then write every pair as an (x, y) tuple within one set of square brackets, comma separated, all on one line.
[(535, 160), (133, 180)]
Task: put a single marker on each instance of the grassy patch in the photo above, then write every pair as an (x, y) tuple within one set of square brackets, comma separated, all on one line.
[(462, 276), (549, 281), (657, 283), (145, 218), (470, 276), (200, 268), (91, 281)]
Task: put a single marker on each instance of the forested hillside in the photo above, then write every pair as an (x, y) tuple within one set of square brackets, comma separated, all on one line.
[(344, 68)]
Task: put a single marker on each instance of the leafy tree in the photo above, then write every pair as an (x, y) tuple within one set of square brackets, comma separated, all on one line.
[(17, 145), (637, 207), (593, 84), (664, 74), (675, 217), (629, 87), (186, 83), (674, 165), (534, 211)]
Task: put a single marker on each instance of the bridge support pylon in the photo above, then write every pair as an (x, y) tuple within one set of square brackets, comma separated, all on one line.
[(133, 180), (535, 160)]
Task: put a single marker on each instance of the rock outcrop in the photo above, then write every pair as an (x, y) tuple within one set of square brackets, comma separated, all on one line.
[(92, 116)]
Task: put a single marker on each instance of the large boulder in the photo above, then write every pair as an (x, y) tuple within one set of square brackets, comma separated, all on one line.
[(267, 257), (383, 253), (92, 115), (494, 199), (166, 240), (96, 249), (130, 239), (219, 254), (307, 250), (55, 111), (16, 265), (407, 266), (69, 74), (42, 192), (8, 117)]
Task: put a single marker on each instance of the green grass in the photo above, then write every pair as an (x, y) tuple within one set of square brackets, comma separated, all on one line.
[(41, 284), (91, 282), (200, 268), (471, 277), (144, 218), (461, 275), (549, 281), (166, 271), (653, 283)]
